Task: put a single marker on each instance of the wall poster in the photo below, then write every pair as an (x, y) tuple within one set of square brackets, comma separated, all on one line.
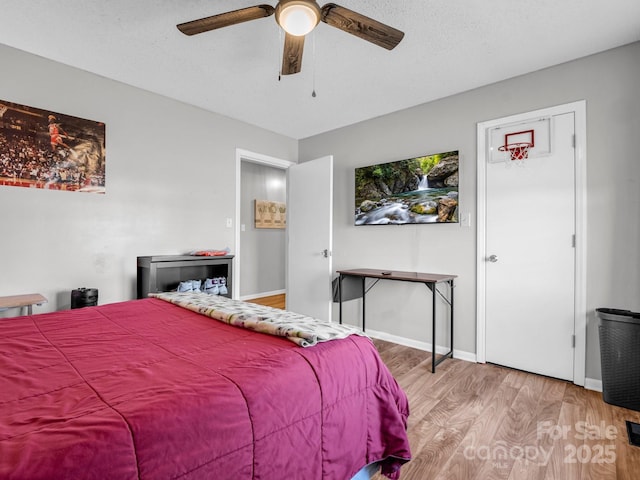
[(270, 214), (50, 150)]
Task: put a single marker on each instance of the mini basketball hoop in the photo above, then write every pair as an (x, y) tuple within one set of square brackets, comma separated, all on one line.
[(518, 144), (518, 151)]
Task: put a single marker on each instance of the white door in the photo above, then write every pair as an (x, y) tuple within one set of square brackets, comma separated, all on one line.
[(530, 258), (309, 237)]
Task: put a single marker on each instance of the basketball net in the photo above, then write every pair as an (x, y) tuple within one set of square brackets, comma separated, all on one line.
[(517, 151)]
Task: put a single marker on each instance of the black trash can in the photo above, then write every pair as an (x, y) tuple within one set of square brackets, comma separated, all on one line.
[(84, 297), (620, 356)]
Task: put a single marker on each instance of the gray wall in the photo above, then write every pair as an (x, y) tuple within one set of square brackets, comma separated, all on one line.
[(170, 185), (263, 250), (610, 84)]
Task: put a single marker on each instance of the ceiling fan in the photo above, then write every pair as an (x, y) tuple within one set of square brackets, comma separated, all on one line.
[(297, 18)]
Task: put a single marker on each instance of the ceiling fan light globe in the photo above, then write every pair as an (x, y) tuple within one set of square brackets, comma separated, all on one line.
[(297, 18)]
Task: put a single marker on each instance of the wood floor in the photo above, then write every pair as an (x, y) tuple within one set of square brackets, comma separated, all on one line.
[(480, 421), (275, 301)]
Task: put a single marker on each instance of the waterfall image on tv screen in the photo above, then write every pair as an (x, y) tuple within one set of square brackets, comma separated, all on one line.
[(416, 190)]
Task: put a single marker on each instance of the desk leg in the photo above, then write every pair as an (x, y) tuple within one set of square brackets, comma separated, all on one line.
[(363, 294), (340, 297), (432, 287), (29, 309), (451, 297), (433, 327)]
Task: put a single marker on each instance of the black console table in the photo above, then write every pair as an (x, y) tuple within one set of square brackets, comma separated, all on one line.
[(163, 273), (431, 280)]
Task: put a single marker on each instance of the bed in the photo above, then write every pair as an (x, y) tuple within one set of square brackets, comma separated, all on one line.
[(152, 390)]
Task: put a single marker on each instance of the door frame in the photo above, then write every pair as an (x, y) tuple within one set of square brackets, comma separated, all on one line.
[(580, 307), (247, 156)]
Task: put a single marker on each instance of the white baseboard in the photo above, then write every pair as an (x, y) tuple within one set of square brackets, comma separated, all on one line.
[(593, 384), (589, 384), (466, 356), (407, 342), (262, 294)]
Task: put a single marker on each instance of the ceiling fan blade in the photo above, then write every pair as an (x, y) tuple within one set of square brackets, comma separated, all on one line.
[(292, 55), (226, 19), (364, 27)]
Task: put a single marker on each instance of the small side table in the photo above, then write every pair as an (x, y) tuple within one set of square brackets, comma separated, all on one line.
[(431, 280), (28, 300)]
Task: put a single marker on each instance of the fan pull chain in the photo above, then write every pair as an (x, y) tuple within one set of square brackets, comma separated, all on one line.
[(313, 54), (280, 52)]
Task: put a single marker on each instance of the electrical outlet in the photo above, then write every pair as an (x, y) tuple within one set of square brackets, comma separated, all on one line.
[(229, 222)]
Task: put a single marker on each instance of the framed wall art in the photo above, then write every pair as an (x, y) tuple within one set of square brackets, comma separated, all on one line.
[(50, 150), (270, 214), (419, 190)]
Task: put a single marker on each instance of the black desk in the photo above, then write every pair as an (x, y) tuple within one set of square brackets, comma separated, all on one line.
[(431, 280)]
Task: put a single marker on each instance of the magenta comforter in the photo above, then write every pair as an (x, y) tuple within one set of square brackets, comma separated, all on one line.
[(146, 389)]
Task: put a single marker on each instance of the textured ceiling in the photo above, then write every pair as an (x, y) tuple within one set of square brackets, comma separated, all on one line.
[(449, 46)]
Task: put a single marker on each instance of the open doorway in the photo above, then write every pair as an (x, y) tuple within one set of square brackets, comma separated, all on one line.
[(260, 253)]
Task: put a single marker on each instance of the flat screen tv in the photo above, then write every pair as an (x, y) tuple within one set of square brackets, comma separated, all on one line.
[(417, 190)]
